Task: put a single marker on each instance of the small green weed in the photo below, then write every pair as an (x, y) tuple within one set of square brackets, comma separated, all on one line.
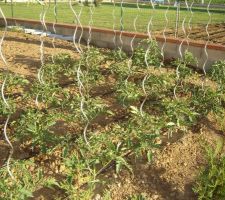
[(211, 181)]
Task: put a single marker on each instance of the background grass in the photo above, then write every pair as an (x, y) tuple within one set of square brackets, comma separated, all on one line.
[(103, 17), (205, 1)]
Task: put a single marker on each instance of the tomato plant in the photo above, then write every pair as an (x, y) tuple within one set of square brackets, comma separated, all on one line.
[(92, 132), (152, 56)]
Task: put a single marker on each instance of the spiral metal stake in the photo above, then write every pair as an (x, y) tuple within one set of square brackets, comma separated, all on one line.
[(164, 34), (79, 72), (114, 23), (53, 27), (206, 44), (149, 30), (90, 23), (185, 35), (190, 23), (121, 40), (81, 85), (78, 23), (180, 51), (90, 27), (3, 89), (42, 20), (129, 63), (177, 18), (135, 27), (11, 146), (4, 99), (82, 30), (44, 32), (42, 59), (121, 26)]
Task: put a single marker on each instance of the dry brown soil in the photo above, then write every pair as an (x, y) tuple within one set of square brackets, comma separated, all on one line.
[(216, 33)]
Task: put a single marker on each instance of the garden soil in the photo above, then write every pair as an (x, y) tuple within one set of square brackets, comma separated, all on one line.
[(175, 166), (216, 33)]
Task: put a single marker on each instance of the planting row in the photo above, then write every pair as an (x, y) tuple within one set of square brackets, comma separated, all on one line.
[(83, 117)]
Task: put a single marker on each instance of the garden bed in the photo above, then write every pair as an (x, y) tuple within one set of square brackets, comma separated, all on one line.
[(216, 33), (156, 153)]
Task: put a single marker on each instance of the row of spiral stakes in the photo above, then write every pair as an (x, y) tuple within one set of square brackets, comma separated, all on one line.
[(186, 39), (77, 38)]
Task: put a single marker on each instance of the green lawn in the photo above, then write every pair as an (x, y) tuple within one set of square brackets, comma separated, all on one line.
[(102, 16)]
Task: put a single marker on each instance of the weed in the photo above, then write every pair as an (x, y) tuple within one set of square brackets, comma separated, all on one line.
[(78, 174), (211, 181), (205, 101), (217, 73)]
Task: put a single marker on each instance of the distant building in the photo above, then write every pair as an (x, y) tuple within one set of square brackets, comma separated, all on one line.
[(154, 1), (158, 1)]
